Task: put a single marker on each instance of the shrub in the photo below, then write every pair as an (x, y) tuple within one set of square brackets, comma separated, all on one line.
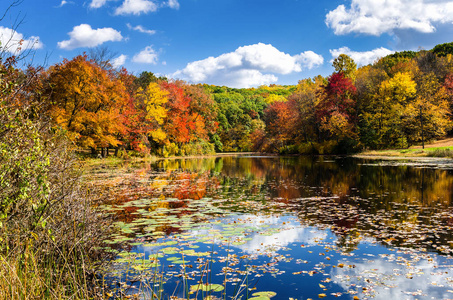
[(306, 148), (50, 230), (291, 149), (440, 153)]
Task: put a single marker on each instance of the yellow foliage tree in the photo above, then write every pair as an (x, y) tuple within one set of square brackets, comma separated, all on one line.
[(274, 98), (153, 99), (428, 116), (384, 113)]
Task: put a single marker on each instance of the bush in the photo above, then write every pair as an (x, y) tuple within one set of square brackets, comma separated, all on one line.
[(291, 149), (327, 147), (440, 153), (200, 147), (170, 150), (306, 148), (50, 232)]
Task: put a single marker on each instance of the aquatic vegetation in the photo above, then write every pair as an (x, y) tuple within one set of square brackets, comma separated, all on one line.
[(290, 226)]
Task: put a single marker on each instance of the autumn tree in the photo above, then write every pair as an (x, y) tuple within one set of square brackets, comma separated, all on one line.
[(180, 124), (384, 113), (388, 62), (85, 101), (367, 83), (428, 116), (131, 115), (346, 65), (336, 108), (282, 123), (306, 97), (204, 109), (151, 102)]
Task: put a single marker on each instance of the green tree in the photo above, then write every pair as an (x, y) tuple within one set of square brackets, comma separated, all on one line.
[(346, 65)]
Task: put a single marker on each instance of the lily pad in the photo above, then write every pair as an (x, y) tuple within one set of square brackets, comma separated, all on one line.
[(206, 288), (265, 294)]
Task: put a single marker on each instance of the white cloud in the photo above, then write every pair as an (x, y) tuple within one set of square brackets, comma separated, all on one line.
[(146, 56), (119, 61), (98, 3), (173, 4), (288, 234), (84, 36), (310, 59), (408, 276), (248, 66), (141, 29), (362, 58), (383, 16), (14, 42), (136, 7)]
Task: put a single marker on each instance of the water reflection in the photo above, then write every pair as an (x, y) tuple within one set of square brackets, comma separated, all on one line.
[(340, 208)]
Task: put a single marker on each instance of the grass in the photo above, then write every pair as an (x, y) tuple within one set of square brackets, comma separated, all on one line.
[(446, 151), (150, 282), (51, 232)]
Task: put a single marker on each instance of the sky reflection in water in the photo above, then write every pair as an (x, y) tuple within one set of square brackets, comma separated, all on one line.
[(303, 227)]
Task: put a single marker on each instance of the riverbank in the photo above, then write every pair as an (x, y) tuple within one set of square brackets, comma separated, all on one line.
[(441, 149), (112, 160)]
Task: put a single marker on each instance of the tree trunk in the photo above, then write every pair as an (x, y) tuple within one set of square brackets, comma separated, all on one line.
[(423, 133)]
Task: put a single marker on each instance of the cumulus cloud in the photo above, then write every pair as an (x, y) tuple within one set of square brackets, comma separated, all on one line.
[(146, 56), (418, 277), (248, 66), (362, 58), (141, 29), (136, 7), (14, 42), (309, 59), (384, 16), (119, 61), (85, 36)]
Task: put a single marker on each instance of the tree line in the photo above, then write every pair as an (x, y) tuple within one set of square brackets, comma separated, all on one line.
[(398, 101)]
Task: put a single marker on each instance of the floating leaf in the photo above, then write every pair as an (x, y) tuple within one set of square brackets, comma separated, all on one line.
[(266, 294), (206, 288)]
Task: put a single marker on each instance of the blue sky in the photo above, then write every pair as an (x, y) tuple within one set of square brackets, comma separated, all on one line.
[(238, 43)]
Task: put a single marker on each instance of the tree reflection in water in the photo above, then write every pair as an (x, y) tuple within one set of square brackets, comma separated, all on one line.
[(359, 203)]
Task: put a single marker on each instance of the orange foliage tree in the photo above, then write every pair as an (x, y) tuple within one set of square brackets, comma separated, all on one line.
[(86, 101), (282, 122)]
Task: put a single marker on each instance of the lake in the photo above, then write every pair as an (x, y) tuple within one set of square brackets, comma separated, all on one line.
[(261, 227)]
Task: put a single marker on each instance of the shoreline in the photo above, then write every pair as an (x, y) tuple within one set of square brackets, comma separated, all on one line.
[(416, 156), (396, 157)]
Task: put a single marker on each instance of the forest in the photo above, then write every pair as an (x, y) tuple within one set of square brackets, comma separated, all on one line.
[(398, 101)]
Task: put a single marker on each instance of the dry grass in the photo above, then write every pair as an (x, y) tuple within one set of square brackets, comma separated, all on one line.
[(441, 148), (50, 231)]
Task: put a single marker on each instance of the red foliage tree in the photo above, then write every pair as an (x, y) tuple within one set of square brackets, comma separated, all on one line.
[(336, 108), (179, 124)]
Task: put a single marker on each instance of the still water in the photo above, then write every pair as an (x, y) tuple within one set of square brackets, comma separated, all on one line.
[(281, 227)]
